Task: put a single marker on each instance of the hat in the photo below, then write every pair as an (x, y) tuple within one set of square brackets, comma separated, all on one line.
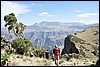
[(56, 45)]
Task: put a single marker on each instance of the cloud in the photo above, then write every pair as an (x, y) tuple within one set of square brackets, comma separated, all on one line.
[(40, 5), (9, 7), (43, 14), (12, 7), (46, 14), (33, 4), (78, 10), (87, 14)]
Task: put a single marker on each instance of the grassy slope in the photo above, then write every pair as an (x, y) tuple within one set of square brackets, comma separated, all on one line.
[(87, 35), (90, 41)]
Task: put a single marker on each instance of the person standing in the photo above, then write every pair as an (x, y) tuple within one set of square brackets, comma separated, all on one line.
[(56, 54), (47, 54)]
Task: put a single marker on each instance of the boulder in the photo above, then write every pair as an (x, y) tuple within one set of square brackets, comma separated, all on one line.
[(69, 46)]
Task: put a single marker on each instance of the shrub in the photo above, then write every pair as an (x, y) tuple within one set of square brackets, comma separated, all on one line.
[(21, 45), (4, 58), (35, 50), (42, 51)]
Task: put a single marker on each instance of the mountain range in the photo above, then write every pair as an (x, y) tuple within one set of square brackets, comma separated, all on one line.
[(48, 34)]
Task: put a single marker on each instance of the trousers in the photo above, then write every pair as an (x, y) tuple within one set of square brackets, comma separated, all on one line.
[(57, 60)]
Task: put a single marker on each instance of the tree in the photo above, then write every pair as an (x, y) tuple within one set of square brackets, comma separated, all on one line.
[(20, 44), (11, 22)]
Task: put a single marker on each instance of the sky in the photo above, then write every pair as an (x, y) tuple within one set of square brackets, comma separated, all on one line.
[(31, 12)]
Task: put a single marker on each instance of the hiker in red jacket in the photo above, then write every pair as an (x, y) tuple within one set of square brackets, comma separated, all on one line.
[(56, 53)]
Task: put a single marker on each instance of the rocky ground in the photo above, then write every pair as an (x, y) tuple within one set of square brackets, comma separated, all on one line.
[(19, 60)]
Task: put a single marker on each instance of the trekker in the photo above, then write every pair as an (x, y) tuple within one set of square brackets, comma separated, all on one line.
[(47, 54), (31, 54), (56, 53)]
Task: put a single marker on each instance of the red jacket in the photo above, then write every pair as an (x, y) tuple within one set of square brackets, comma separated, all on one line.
[(56, 51)]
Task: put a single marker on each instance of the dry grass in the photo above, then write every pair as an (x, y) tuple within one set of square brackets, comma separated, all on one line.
[(36, 61), (19, 60), (87, 35)]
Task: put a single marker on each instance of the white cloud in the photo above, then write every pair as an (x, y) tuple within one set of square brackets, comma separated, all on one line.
[(87, 14), (43, 14), (78, 10), (46, 14), (12, 7), (40, 5), (33, 4), (9, 7)]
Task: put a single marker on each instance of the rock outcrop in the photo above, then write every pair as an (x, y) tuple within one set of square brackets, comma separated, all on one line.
[(69, 46)]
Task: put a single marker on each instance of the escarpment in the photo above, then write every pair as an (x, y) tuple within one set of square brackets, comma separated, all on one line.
[(69, 46)]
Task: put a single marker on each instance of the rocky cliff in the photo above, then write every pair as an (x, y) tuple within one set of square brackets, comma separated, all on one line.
[(69, 46)]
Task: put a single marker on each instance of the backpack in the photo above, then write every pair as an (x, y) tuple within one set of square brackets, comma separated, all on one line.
[(56, 51)]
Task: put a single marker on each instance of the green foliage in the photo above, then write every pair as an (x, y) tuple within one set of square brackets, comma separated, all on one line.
[(19, 28), (21, 45), (42, 51), (10, 18), (39, 52), (35, 50), (11, 22), (5, 56)]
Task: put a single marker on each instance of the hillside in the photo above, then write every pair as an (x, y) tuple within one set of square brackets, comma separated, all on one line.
[(90, 34), (91, 41), (87, 43)]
